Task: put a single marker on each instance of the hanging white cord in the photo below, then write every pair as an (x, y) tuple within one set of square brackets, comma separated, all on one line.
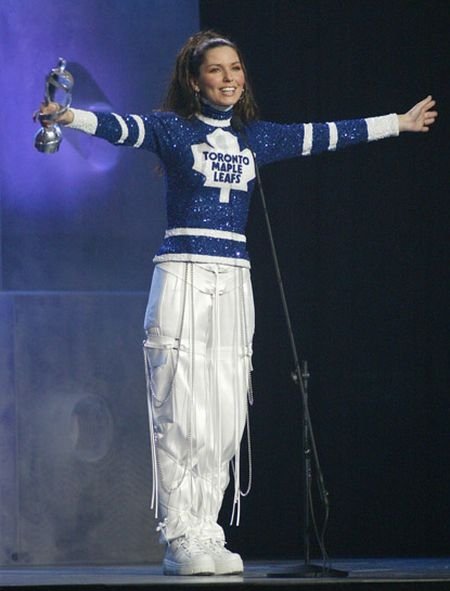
[(244, 349), (192, 418), (248, 354), (238, 352), (152, 434), (217, 409)]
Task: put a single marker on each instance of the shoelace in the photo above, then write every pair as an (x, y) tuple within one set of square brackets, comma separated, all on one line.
[(189, 545), (214, 546)]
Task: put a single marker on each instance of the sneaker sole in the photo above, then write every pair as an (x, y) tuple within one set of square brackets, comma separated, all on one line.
[(187, 570), (233, 566)]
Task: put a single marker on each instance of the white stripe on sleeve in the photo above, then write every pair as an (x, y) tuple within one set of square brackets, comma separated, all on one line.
[(141, 128), (307, 139), (123, 127), (333, 136)]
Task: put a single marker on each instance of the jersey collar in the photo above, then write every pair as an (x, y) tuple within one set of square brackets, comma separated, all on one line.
[(214, 117)]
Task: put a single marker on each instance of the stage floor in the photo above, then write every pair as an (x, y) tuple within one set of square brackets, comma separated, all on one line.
[(430, 573)]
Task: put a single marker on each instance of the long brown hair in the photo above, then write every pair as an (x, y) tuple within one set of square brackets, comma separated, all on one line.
[(182, 99)]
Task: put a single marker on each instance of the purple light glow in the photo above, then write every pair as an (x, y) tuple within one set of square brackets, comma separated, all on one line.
[(99, 155), (108, 42)]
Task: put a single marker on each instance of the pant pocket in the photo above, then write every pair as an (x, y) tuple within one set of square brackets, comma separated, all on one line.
[(161, 358)]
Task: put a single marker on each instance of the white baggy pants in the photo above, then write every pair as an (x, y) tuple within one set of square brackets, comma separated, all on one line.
[(199, 323)]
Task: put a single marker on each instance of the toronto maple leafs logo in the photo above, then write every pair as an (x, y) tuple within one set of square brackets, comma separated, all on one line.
[(223, 164)]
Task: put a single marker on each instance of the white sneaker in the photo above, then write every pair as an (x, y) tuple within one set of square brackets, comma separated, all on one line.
[(225, 562), (186, 556)]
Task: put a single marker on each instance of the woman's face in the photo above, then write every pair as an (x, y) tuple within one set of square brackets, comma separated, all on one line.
[(221, 78)]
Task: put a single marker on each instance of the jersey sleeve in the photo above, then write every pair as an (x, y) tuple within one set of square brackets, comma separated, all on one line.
[(136, 131), (273, 141)]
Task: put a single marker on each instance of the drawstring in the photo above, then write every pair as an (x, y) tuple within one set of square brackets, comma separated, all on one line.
[(244, 342), (238, 343), (215, 411), (248, 356), (191, 402), (154, 498)]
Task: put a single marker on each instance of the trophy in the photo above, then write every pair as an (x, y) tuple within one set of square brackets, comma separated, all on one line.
[(58, 88)]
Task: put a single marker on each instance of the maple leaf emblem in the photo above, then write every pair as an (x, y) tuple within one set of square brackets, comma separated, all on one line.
[(223, 164)]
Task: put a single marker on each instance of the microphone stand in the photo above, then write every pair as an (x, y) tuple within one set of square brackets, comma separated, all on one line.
[(300, 378)]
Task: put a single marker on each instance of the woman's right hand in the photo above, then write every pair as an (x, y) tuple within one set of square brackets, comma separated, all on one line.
[(46, 113)]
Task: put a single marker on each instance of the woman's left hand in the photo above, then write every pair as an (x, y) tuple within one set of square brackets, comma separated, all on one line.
[(420, 117)]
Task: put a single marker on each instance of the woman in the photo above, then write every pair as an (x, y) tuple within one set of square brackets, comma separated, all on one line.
[(200, 319)]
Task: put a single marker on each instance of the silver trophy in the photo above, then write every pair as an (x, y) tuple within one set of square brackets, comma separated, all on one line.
[(58, 88)]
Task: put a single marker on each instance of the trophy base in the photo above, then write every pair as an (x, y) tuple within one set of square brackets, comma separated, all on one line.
[(48, 139)]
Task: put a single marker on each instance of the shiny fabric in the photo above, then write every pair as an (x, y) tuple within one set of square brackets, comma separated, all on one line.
[(210, 172), (199, 323)]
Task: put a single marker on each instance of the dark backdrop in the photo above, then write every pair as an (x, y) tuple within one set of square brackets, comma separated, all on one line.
[(363, 243)]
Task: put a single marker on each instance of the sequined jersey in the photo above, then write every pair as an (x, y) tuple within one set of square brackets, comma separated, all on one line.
[(210, 169)]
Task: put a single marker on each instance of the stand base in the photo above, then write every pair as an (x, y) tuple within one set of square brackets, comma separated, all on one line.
[(307, 570)]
